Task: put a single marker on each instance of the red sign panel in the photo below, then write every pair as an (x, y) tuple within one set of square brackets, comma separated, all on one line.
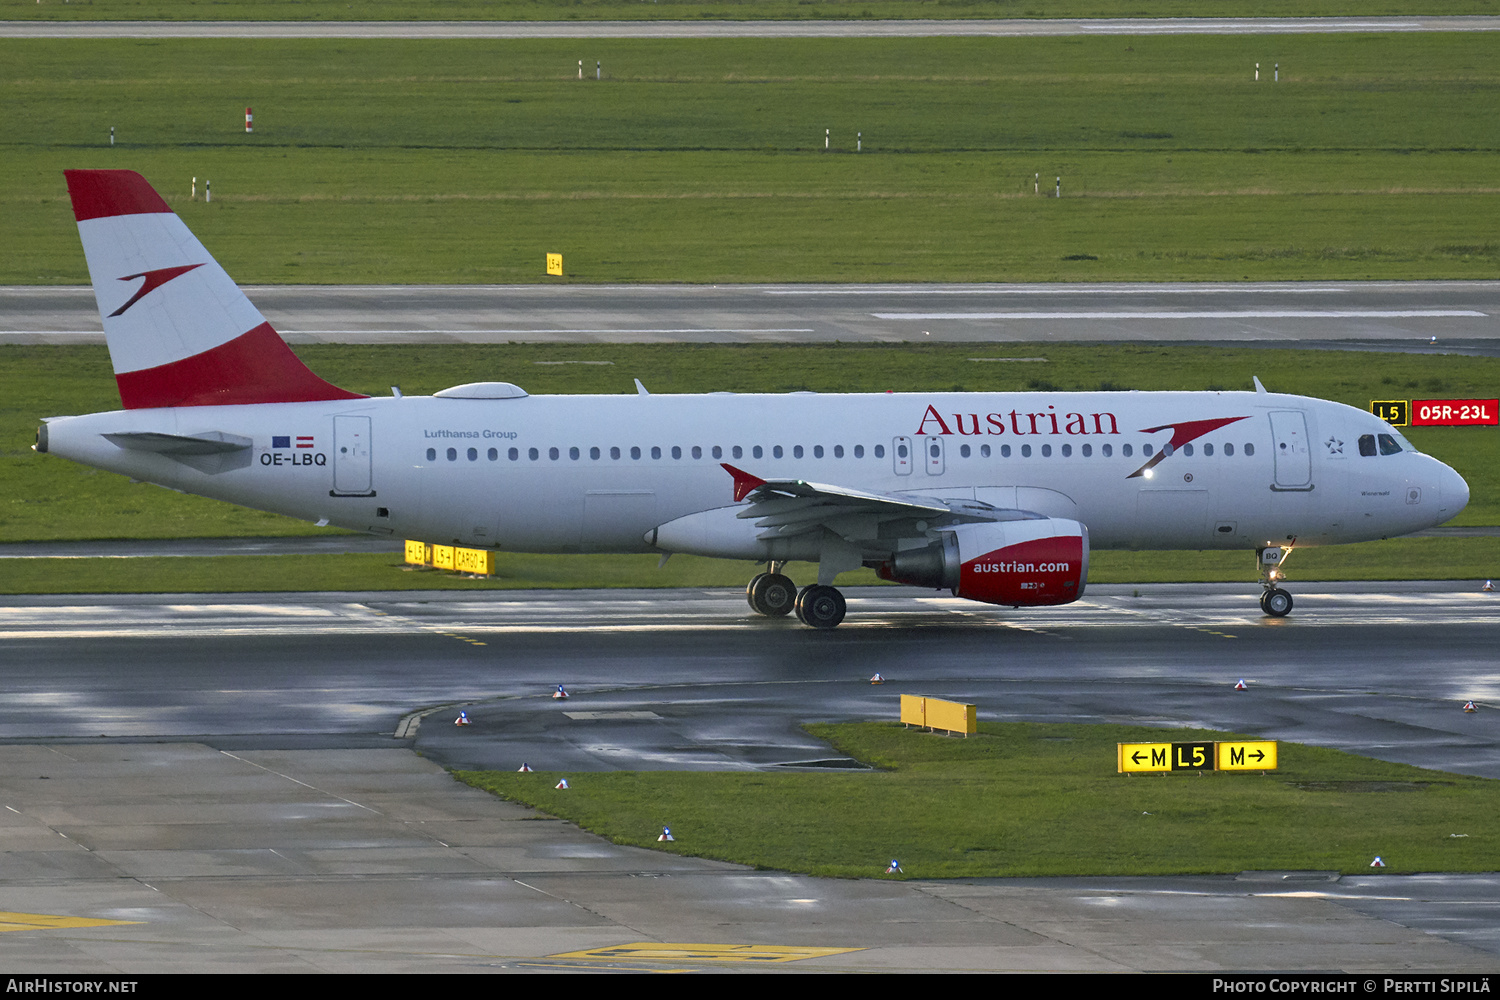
[(1455, 413)]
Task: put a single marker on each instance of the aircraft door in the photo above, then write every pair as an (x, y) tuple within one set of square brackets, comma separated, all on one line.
[(351, 457), (901, 456), (1293, 454), (932, 449)]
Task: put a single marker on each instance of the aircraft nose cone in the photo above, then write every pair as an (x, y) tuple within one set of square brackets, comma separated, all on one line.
[(1453, 490)]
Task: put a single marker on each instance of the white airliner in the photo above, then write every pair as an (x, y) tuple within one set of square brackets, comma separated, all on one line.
[(996, 497)]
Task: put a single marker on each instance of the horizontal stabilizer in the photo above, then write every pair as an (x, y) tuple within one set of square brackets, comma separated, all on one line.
[(207, 443)]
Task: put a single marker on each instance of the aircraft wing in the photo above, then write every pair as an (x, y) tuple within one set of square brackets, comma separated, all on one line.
[(785, 507)]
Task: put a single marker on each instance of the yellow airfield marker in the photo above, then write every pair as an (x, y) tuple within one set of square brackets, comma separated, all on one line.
[(51, 922), (653, 951)]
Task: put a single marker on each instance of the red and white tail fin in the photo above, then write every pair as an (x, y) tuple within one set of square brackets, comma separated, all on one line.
[(180, 331)]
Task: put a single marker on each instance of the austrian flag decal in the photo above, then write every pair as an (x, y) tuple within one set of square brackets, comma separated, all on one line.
[(285, 441)]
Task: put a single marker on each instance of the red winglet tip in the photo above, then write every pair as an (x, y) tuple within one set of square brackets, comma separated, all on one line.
[(744, 482)]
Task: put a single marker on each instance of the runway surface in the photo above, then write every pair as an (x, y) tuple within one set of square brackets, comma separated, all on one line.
[(1403, 316), (227, 770), (741, 29)]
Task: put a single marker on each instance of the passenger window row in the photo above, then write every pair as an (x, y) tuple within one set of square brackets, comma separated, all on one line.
[(1105, 450), (858, 451), (676, 451)]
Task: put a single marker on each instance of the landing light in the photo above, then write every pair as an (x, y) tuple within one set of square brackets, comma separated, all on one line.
[(1149, 473)]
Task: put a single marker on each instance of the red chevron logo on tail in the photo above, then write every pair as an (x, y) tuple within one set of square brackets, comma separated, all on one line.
[(154, 280)]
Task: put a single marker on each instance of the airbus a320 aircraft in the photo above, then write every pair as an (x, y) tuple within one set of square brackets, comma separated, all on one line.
[(996, 497)]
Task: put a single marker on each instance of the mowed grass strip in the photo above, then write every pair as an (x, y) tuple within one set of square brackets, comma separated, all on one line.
[(694, 10), (703, 160), (1398, 559), (1024, 799), (44, 497)]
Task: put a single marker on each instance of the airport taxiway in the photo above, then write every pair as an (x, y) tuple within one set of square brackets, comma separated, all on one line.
[(847, 28), (226, 771), (1426, 316)]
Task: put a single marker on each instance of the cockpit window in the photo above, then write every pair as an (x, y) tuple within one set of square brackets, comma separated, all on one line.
[(1388, 445), (1367, 445), (1401, 440)]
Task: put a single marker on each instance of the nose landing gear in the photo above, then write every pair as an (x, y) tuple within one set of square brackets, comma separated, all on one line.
[(1274, 601)]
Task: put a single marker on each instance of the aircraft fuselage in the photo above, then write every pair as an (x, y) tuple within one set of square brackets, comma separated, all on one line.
[(597, 473)]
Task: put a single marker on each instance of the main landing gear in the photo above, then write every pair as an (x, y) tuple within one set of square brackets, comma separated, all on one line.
[(1274, 601), (773, 595), (820, 606)]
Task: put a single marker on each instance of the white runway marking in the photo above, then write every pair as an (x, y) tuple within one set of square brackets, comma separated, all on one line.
[(1197, 314), (475, 331), (869, 290), (479, 619)]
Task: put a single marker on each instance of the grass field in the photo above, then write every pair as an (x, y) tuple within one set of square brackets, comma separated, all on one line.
[(1026, 799), (410, 161), (735, 10), (1374, 156)]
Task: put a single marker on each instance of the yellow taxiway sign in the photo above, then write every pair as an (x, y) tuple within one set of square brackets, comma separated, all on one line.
[(1238, 755)]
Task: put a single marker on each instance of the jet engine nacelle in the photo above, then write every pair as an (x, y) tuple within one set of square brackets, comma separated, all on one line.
[(1021, 563)]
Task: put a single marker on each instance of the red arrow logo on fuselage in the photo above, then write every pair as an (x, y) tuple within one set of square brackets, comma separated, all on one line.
[(154, 279), (1182, 433)]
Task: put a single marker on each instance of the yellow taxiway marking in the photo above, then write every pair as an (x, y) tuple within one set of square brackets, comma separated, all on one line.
[(51, 922), (653, 951)]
